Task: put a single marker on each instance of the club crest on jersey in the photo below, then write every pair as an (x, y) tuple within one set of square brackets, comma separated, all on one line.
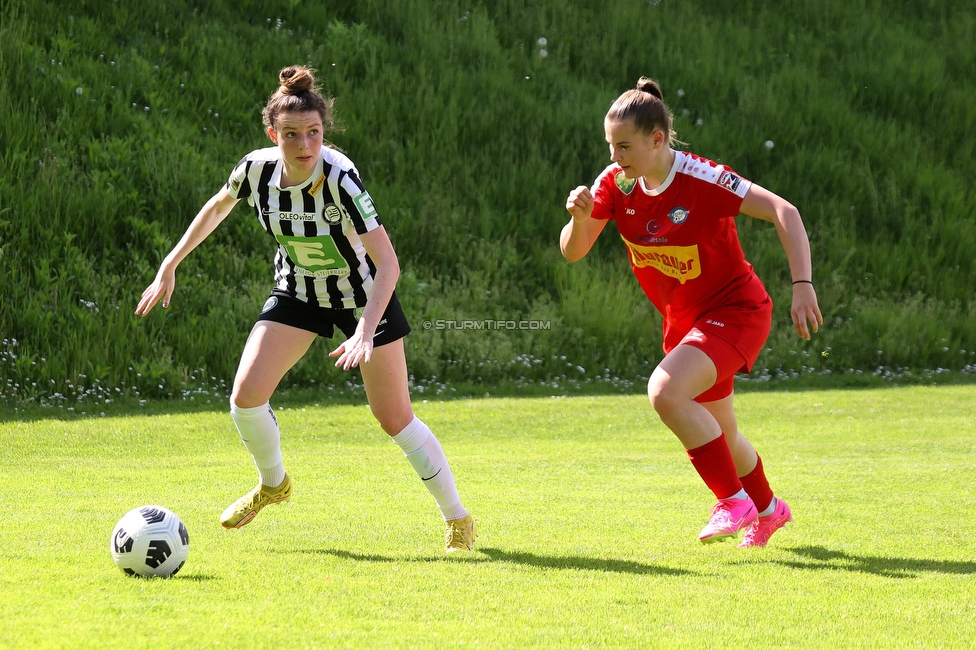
[(678, 215), (625, 184), (729, 181), (331, 213)]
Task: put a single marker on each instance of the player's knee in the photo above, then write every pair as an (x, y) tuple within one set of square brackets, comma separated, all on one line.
[(663, 397), (245, 397), (391, 420)]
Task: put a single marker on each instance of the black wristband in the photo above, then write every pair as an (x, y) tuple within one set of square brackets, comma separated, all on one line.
[(800, 281)]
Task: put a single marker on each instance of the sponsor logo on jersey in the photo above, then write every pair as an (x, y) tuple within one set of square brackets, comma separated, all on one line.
[(294, 216), (678, 215), (320, 273), (652, 227), (269, 304), (331, 213), (729, 181), (318, 185), (682, 263), (235, 185), (716, 323), (314, 256), (365, 204), (625, 184)]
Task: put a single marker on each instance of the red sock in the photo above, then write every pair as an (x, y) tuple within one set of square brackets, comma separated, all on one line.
[(757, 487), (713, 462)]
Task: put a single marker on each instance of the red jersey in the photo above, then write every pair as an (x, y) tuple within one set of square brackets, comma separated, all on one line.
[(681, 238)]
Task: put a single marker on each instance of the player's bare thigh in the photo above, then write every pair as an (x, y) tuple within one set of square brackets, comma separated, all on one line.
[(271, 351)]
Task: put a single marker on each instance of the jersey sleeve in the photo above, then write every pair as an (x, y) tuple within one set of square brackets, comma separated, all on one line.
[(730, 189), (238, 184), (604, 193), (357, 202)]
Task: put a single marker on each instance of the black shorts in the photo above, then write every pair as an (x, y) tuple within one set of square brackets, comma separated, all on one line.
[(282, 308)]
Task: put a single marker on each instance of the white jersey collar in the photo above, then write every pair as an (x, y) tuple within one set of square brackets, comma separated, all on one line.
[(280, 166), (667, 181)]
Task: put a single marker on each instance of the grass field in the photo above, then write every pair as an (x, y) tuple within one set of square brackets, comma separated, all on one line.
[(589, 514)]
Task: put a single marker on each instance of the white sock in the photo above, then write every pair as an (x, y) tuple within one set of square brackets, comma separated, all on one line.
[(741, 494), (769, 509), (259, 432), (427, 458)]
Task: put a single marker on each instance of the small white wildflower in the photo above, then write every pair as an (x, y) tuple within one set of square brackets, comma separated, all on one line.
[(768, 144), (681, 92), (79, 90), (542, 41), (699, 121), (543, 54)]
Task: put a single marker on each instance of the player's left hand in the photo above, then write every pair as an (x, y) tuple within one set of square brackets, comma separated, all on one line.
[(356, 348), (804, 309)]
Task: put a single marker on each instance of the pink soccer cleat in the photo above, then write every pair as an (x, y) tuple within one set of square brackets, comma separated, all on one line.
[(763, 528), (729, 516)]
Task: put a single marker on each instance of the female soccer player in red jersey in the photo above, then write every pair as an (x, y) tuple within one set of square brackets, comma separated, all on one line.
[(676, 215), (335, 268)]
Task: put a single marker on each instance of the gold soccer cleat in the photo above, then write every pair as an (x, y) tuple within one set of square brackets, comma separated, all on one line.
[(461, 534), (241, 512)]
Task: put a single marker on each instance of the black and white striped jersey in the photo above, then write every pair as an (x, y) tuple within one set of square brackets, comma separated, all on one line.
[(321, 258)]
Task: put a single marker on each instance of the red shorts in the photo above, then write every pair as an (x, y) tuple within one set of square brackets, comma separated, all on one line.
[(732, 337)]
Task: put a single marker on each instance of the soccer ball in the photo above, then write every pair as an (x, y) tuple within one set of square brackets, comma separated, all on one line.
[(150, 541)]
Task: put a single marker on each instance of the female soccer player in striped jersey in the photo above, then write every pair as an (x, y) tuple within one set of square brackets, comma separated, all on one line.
[(676, 215), (335, 267)]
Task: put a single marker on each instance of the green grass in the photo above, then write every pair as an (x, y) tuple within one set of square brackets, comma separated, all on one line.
[(589, 512)]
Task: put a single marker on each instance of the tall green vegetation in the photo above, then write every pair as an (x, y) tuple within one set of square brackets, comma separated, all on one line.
[(470, 129)]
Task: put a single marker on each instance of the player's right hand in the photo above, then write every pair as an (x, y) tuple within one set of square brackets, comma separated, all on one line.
[(580, 202), (162, 287)]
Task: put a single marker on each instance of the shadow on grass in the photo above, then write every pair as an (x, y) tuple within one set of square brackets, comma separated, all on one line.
[(820, 558), (573, 563), (196, 577)]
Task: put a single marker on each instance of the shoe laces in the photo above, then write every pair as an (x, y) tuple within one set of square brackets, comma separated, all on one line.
[(752, 532), (455, 535), (721, 513)]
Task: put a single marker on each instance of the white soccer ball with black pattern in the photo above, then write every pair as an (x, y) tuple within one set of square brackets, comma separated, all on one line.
[(150, 541)]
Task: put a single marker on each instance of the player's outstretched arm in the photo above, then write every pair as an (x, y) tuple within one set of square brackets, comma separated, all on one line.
[(577, 236), (209, 217), (763, 204)]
